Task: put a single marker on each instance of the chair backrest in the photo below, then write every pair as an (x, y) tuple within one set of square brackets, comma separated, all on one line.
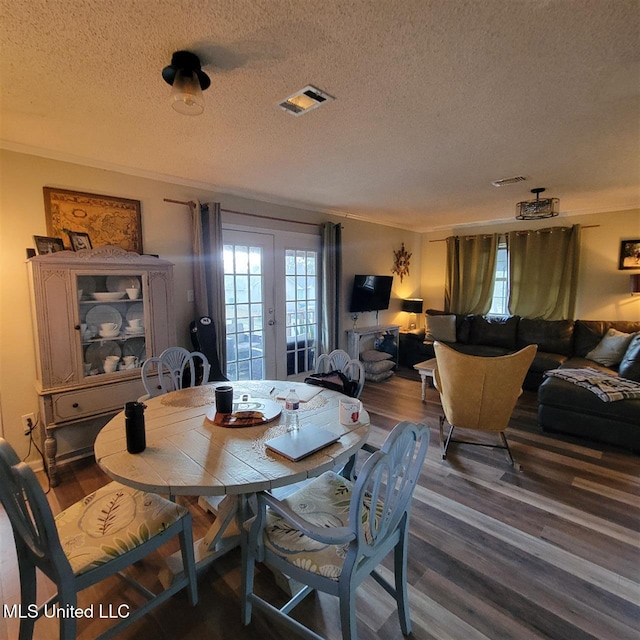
[(479, 392), (354, 370), (381, 498), (334, 361), (33, 525), (175, 368), (339, 360)]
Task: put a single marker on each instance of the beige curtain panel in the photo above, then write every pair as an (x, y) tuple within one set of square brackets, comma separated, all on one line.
[(471, 263), (543, 270)]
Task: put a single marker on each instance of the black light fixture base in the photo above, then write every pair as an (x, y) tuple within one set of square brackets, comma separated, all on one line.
[(186, 61)]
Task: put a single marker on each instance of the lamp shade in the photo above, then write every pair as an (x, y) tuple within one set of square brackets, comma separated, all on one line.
[(412, 305), (188, 81), (186, 94)]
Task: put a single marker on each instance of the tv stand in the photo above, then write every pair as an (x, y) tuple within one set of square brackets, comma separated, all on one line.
[(362, 339)]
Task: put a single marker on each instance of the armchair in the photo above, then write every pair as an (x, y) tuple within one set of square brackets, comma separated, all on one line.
[(479, 392)]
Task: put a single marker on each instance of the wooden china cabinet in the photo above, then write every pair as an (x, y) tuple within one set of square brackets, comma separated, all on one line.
[(97, 314)]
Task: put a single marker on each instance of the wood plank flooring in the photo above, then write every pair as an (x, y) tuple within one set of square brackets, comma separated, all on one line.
[(549, 552)]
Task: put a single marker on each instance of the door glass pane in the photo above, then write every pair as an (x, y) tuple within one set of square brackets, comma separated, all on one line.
[(300, 319), (244, 312)]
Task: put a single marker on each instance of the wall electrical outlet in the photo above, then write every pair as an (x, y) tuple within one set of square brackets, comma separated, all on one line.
[(28, 423)]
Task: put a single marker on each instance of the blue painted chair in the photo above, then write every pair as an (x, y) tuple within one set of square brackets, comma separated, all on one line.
[(81, 546), (173, 369), (333, 533)]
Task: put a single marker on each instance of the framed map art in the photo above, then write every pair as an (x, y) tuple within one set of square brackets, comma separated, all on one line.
[(107, 220)]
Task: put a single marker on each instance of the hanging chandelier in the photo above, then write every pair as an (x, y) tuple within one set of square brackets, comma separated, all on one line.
[(538, 208)]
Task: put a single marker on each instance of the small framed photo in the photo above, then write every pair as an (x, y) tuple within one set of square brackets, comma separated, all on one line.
[(45, 244), (629, 254), (79, 240)]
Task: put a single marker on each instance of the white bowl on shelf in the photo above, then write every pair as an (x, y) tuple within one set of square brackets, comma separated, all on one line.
[(108, 296), (108, 333)]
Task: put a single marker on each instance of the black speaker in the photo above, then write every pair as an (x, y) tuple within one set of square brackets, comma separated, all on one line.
[(203, 338)]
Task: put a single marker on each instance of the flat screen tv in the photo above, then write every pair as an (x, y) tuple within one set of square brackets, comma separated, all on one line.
[(370, 293)]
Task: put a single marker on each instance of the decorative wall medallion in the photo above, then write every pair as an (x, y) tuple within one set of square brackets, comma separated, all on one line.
[(401, 262)]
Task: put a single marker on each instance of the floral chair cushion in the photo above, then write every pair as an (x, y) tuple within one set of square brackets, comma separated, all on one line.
[(110, 522), (325, 501)]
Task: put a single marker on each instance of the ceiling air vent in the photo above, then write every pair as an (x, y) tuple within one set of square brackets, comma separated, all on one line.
[(304, 100), (507, 181)]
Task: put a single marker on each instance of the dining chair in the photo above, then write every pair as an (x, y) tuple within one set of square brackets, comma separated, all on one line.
[(95, 538), (332, 533), (339, 360), (175, 368), (479, 392)]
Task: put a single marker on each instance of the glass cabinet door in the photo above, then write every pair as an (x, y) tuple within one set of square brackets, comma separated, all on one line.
[(112, 323)]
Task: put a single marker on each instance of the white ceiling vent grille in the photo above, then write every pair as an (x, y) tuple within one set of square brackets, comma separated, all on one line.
[(304, 100), (507, 181)]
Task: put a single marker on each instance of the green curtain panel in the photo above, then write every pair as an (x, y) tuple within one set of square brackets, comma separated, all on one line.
[(331, 250), (543, 269), (208, 270), (471, 263)]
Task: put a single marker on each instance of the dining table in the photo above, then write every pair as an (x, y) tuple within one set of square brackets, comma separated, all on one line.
[(191, 450)]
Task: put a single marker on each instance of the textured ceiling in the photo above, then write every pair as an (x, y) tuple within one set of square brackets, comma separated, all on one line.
[(434, 99)]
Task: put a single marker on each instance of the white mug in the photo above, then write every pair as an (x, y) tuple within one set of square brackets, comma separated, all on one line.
[(109, 326), (350, 409), (110, 365), (133, 293), (135, 323)]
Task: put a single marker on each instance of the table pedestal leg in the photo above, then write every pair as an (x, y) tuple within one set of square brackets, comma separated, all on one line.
[(223, 535), (423, 378)]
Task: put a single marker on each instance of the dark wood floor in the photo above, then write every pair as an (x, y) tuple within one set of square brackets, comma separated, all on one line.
[(549, 552)]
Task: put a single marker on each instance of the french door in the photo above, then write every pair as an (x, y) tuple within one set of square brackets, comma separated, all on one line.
[(271, 291)]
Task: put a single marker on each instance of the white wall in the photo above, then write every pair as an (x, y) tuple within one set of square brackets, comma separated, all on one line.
[(603, 290), (166, 231)]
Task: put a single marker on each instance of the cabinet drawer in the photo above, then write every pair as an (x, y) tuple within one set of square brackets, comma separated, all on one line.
[(90, 402)]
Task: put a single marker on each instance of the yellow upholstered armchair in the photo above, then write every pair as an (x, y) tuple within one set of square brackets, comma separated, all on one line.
[(479, 392)]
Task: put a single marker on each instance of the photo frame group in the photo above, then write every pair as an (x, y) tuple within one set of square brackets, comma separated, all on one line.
[(95, 220), (629, 254), (79, 240), (46, 244)]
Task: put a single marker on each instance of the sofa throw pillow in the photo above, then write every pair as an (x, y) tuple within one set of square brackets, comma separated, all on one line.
[(611, 349), (378, 367), (372, 355), (630, 365), (441, 328)]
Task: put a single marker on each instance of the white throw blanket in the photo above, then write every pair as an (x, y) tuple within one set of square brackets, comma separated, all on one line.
[(607, 387)]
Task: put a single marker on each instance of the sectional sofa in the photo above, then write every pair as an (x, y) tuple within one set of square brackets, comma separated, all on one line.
[(563, 344)]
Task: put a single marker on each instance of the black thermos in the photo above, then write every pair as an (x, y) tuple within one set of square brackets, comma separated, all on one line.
[(134, 425)]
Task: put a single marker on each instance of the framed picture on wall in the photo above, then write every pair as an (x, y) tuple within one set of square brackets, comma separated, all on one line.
[(107, 220), (45, 244), (79, 240), (629, 254)]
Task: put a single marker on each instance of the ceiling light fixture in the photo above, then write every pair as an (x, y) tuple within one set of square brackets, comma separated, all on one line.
[(538, 208), (188, 81)]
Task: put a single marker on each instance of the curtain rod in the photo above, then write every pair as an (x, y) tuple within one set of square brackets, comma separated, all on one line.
[(243, 213), (586, 226)]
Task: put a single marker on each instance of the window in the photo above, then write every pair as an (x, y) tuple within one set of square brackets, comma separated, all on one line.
[(301, 304), (243, 287), (500, 301)]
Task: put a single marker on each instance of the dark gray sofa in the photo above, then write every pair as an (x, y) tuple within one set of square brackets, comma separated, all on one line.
[(562, 406)]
